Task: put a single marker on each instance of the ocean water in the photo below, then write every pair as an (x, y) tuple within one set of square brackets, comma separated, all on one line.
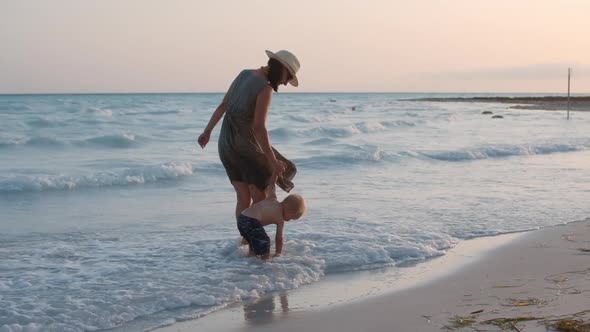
[(111, 215)]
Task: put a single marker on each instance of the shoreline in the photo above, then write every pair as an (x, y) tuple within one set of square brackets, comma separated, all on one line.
[(478, 280), (546, 103)]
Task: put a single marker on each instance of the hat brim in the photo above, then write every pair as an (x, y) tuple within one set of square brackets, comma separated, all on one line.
[(294, 81)]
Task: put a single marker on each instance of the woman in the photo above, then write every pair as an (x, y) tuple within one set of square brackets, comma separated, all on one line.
[(244, 145)]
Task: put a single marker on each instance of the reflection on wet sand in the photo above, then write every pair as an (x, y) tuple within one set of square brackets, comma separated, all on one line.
[(264, 310)]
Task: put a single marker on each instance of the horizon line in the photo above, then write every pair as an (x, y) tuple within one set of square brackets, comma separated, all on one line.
[(290, 92)]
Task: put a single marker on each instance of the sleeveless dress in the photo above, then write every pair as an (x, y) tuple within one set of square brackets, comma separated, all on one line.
[(239, 150)]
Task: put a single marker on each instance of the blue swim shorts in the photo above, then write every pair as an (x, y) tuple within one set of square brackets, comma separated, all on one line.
[(251, 229)]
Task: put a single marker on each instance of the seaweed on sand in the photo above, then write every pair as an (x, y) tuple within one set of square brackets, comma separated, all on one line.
[(458, 322), (509, 324), (570, 325)]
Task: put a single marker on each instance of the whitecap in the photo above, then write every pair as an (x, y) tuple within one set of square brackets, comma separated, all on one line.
[(137, 175)]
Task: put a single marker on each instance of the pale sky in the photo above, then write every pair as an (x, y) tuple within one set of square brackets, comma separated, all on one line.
[(103, 46)]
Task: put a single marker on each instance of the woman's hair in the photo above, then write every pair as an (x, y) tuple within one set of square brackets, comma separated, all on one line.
[(275, 70), (296, 204)]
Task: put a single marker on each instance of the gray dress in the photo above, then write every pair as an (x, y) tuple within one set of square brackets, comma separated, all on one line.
[(239, 150)]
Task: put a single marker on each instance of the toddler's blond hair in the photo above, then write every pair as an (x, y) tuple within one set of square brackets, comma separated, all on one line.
[(296, 204)]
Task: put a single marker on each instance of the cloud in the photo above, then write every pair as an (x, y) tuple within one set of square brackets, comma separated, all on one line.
[(549, 71)]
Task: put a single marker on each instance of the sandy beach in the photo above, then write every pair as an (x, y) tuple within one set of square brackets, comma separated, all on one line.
[(548, 103), (530, 281)]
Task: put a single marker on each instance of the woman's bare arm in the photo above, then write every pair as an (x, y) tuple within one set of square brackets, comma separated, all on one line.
[(259, 125), (271, 191), (215, 117)]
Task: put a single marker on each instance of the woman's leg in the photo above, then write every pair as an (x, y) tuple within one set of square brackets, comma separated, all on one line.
[(243, 197), (256, 194), (243, 200)]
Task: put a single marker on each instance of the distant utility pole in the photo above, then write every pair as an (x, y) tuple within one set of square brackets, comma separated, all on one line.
[(569, 74)]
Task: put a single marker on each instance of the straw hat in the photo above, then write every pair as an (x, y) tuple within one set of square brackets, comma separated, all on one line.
[(289, 60)]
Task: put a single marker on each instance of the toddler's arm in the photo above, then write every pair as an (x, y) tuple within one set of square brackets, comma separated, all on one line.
[(279, 239)]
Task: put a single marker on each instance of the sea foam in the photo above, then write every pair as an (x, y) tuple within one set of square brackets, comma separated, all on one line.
[(137, 175)]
